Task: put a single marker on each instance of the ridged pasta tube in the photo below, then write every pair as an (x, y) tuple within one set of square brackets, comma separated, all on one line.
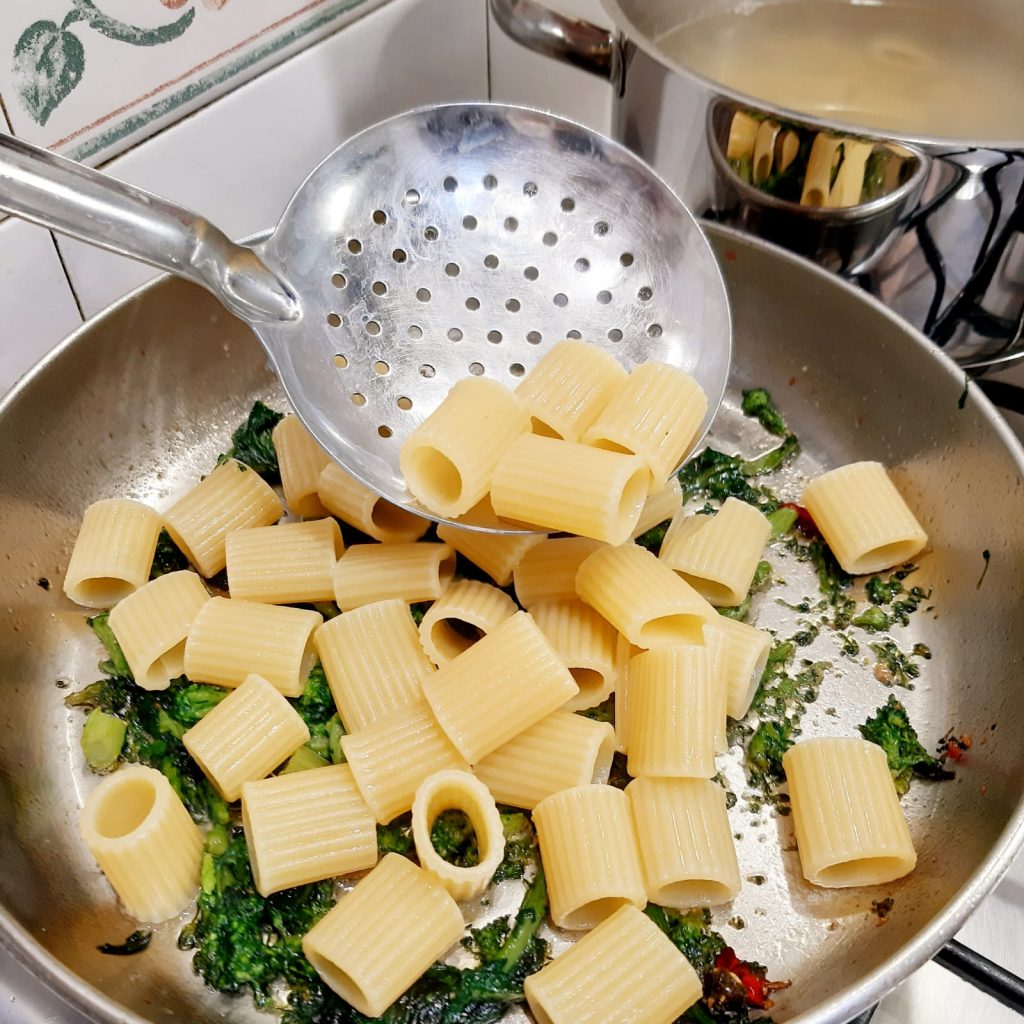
[(642, 597), (229, 640), (383, 935), (151, 626), (587, 643), (863, 518), (686, 843), (718, 554), (671, 708), (232, 497), (246, 736), (561, 485), (291, 563), (393, 756), (591, 857), (547, 572), (498, 555), (354, 503), (626, 962), (307, 826), (368, 573), (466, 611), (655, 416), (113, 552), (458, 791), (741, 652), (849, 827), (373, 660), (559, 752), (823, 157), (503, 684), (568, 387), (144, 841), (449, 458), (660, 506), (301, 461)]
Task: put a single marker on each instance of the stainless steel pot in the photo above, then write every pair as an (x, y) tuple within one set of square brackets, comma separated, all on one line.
[(946, 254), (141, 399)]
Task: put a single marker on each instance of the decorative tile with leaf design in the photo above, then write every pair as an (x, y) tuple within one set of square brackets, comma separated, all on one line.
[(90, 77)]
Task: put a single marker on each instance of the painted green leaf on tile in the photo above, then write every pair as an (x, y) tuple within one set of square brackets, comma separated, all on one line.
[(86, 10), (48, 64)]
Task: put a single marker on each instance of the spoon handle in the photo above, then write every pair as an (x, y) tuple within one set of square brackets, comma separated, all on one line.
[(75, 200)]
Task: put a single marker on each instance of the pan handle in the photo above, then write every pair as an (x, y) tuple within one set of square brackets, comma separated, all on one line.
[(577, 42), (75, 200), (983, 974)]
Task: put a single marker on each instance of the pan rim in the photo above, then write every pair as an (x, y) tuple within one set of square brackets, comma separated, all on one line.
[(842, 1005)]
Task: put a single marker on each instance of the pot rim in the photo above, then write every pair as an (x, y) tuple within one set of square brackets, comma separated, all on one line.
[(935, 144)]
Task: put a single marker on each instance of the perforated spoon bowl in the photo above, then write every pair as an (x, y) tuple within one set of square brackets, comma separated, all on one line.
[(447, 241)]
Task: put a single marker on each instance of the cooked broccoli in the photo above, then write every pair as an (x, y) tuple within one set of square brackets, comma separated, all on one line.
[(137, 942), (167, 558), (691, 933), (304, 759), (782, 520), (317, 709), (115, 665), (252, 443), (652, 538), (396, 837), (770, 741), (873, 619), (102, 740), (243, 941), (716, 476), (417, 611), (890, 728), (896, 668), (833, 580), (881, 591), (757, 402), (762, 577), (454, 838), (603, 712), (772, 460), (520, 846)]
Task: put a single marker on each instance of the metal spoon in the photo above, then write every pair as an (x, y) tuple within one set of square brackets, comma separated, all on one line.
[(447, 241)]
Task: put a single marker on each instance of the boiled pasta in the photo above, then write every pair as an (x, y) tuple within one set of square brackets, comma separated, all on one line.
[(497, 554), (373, 661), (660, 505), (151, 626), (568, 387), (560, 485), (863, 517), (292, 563), (466, 611), (587, 643), (383, 935), (368, 573), (306, 826), (589, 848), (626, 962), (503, 684), (559, 752), (717, 554), (642, 597), (742, 652), (657, 416), (849, 827), (301, 461), (391, 757), (246, 736), (458, 791), (671, 708), (686, 844), (824, 155), (113, 552), (354, 503), (547, 572), (229, 640), (449, 459), (232, 497), (144, 841)]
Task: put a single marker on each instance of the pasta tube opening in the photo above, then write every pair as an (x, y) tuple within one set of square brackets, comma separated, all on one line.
[(345, 985), (591, 914), (102, 591), (125, 808), (591, 683), (680, 628), (453, 635), (390, 519), (861, 871), (433, 477)]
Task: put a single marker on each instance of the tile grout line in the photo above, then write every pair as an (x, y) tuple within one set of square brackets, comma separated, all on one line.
[(67, 275)]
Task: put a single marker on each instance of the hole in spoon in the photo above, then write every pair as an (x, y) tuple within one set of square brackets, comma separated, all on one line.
[(340, 361), (373, 328), (358, 399), (384, 430), (333, 320), (379, 288), (403, 403), (450, 184), (380, 217), (355, 246), (339, 280), (476, 369)]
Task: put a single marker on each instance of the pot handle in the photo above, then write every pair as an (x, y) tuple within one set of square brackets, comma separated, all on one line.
[(983, 974), (75, 200), (572, 40)]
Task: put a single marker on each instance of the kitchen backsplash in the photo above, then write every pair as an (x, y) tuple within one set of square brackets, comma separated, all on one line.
[(88, 78)]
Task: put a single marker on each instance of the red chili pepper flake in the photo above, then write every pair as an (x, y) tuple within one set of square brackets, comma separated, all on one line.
[(792, 381), (804, 521), (730, 256)]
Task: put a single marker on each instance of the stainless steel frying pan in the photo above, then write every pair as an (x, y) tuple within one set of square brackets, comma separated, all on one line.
[(141, 399)]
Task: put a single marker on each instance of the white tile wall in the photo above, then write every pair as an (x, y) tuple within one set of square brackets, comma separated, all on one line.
[(520, 76), (238, 160), (37, 307)]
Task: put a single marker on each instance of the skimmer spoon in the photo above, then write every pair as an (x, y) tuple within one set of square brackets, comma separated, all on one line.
[(447, 241)]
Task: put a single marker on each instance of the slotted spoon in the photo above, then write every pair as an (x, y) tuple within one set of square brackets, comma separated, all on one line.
[(447, 241)]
